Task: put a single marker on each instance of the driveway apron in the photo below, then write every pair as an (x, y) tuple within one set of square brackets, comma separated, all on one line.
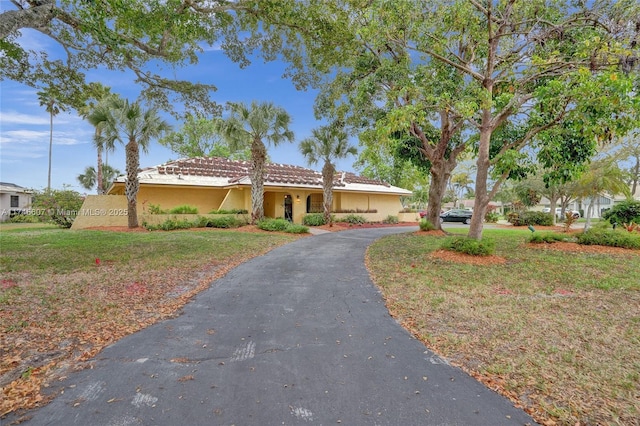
[(299, 336)]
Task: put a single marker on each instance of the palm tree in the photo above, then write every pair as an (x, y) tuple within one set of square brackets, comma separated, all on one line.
[(50, 99), (326, 143), (89, 178), (250, 126), (603, 177), (94, 111), (127, 121)]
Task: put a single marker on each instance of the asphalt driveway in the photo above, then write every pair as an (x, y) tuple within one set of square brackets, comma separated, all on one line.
[(299, 336)]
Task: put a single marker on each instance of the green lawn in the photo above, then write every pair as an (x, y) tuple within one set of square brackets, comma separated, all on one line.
[(66, 294), (556, 331)]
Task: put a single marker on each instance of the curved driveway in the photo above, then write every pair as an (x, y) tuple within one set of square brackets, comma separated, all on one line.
[(299, 336)]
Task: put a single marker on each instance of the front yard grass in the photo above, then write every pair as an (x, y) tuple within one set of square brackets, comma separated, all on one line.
[(64, 295), (557, 332)]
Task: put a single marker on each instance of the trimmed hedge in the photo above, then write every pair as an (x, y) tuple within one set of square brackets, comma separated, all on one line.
[(530, 218), (484, 247), (610, 237)]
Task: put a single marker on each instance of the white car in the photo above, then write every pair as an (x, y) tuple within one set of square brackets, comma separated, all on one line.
[(575, 213)]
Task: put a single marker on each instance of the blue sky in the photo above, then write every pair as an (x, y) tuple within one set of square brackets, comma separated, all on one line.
[(24, 124)]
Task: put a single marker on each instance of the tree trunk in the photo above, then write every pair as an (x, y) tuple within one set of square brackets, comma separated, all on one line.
[(99, 173), (482, 176), (552, 208), (327, 186), (132, 152), (440, 172), (636, 173), (258, 158), (50, 149)]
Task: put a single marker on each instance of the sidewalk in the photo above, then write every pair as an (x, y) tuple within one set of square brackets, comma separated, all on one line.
[(298, 336)]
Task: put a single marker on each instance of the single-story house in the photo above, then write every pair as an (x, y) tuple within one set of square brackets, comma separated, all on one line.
[(212, 183), (14, 199)]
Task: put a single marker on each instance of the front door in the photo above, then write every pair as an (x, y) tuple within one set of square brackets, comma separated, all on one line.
[(288, 208)]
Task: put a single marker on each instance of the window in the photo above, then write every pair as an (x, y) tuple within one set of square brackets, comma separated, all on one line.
[(314, 203), (15, 201)]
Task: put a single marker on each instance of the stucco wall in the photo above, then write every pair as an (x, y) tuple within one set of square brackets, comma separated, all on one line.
[(102, 210), (204, 199), (237, 198)]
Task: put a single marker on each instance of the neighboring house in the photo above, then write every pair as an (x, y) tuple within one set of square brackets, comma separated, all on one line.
[(289, 191), (13, 200)]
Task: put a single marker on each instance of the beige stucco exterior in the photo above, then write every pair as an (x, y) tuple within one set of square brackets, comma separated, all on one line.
[(110, 210), (211, 183)]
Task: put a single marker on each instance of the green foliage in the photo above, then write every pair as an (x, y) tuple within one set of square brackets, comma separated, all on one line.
[(269, 224), (353, 219), (491, 217), (546, 237), (391, 219), (296, 229), (610, 237), (169, 225), (24, 218), (484, 247), (313, 219), (155, 209), (530, 218), (184, 209), (624, 212), (281, 225), (232, 211), (220, 222), (201, 222), (59, 206), (426, 225)]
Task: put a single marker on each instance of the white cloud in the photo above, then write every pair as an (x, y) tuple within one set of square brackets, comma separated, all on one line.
[(23, 136), (13, 117)]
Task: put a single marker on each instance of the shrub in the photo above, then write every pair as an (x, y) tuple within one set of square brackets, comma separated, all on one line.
[(24, 218), (391, 219), (470, 246), (219, 222), (281, 225), (58, 206), (232, 211), (569, 219), (491, 217), (268, 224), (546, 237), (294, 228), (313, 219), (353, 219), (169, 225), (625, 212), (530, 218), (155, 209), (184, 209), (426, 225), (609, 237)]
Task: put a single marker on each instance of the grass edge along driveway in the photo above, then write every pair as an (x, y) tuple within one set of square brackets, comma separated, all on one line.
[(557, 332), (65, 295)]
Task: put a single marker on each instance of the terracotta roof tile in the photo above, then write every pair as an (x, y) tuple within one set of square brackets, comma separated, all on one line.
[(274, 173)]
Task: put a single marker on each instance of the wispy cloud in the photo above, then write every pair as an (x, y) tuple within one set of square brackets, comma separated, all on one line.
[(12, 117)]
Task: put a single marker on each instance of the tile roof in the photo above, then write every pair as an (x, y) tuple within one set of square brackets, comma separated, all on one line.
[(235, 171)]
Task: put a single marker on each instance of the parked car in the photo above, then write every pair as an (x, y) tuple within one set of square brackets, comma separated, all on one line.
[(575, 213), (457, 215), (423, 214)]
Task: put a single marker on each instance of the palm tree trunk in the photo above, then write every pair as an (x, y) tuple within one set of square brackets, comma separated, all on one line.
[(258, 158), (132, 152), (99, 173), (327, 186)]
